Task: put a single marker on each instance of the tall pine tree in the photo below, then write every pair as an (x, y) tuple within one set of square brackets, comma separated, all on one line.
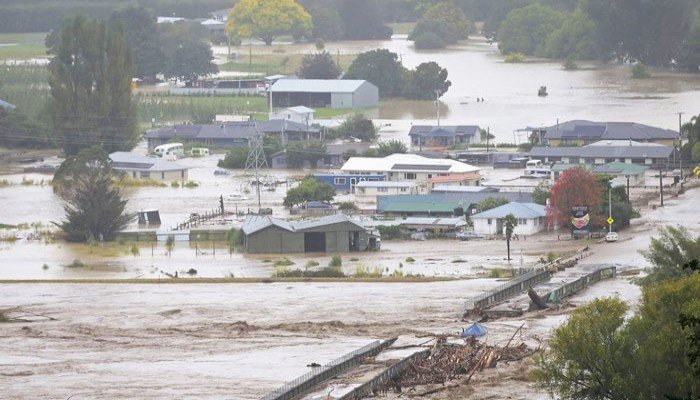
[(90, 85)]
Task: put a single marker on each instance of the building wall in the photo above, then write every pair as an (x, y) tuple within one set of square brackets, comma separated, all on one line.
[(371, 193), (342, 100), (167, 176), (366, 96), (274, 240), (482, 227)]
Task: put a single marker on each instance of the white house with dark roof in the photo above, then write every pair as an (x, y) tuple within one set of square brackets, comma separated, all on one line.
[(143, 167), (443, 135), (582, 132), (532, 218), (369, 190), (605, 152), (333, 93)]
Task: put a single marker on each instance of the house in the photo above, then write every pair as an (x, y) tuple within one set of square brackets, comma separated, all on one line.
[(605, 152), (230, 134), (6, 105), (369, 190), (333, 93), (532, 218), (345, 183), (299, 114), (436, 226), (467, 179), (334, 157), (443, 135), (582, 132), (143, 167), (442, 204), (623, 174), (331, 234), (409, 167), (220, 15)]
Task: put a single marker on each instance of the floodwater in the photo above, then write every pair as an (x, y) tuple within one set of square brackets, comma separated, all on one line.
[(476, 69)]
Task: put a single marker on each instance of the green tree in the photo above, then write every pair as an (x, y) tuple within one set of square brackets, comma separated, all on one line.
[(186, 51), (382, 68), (308, 152), (491, 202), (267, 19), (310, 189), (357, 126), (362, 20), (141, 33), (669, 252), (690, 52), (428, 40), (18, 130), (235, 158), (427, 80), (94, 207), (574, 40), (319, 65), (541, 194), (691, 131), (444, 20), (325, 18), (393, 146), (526, 29), (509, 224), (90, 83)]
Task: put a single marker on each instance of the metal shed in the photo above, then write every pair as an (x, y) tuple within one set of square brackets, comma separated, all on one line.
[(333, 93)]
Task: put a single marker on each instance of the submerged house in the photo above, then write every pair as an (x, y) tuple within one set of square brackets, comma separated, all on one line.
[(443, 135), (332, 234), (582, 132), (532, 218), (606, 152), (143, 167)]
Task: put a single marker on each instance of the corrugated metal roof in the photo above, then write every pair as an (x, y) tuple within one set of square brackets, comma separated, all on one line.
[(620, 168), (612, 130), (317, 85), (519, 210), (603, 151), (122, 160), (462, 189), (406, 162), (443, 130), (442, 202), (389, 184), (255, 223), (329, 220)]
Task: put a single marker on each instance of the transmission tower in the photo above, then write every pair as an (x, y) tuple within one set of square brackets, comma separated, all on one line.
[(256, 161)]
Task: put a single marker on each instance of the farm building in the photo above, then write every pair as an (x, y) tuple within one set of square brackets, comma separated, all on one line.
[(142, 167), (531, 219), (332, 234), (332, 93)]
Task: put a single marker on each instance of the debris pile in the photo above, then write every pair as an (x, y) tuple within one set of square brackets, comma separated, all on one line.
[(447, 362)]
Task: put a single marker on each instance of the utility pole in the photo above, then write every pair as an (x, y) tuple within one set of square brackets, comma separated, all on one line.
[(250, 58), (680, 146), (256, 161), (437, 106), (610, 207), (269, 91), (661, 185), (488, 134)]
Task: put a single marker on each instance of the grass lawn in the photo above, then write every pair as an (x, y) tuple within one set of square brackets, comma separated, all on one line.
[(37, 37), (22, 45), (167, 108), (276, 63)]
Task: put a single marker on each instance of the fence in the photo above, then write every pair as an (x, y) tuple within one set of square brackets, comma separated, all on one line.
[(581, 283), (508, 289), (196, 219), (311, 379), (368, 388)]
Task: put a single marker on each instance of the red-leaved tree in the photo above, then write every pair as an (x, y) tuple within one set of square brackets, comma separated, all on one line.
[(575, 187)]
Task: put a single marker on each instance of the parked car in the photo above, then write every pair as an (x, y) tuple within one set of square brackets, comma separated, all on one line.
[(468, 235), (611, 237)]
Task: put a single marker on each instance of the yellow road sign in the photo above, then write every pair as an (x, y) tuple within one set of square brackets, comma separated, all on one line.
[(610, 220)]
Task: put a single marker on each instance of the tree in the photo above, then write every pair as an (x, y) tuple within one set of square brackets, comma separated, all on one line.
[(393, 146), (428, 40), (187, 54), (300, 154), (426, 81), (310, 189), (575, 187), (17, 130), (690, 52), (444, 20), (574, 40), (597, 355), (491, 202), (267, 19), (526, 29), (691, 131), (362, 20), (382, 68), (235, 158), (141, 33), (541, 194), (357, 126), (325, 18), (90, 82), (509, 224), (669, 252), (94, 207), (319, 65)]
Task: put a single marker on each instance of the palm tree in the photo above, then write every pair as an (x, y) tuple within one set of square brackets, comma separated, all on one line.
[(509, 223)]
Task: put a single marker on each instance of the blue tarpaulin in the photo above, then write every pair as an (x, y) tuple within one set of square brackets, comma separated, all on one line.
[(476, 330)]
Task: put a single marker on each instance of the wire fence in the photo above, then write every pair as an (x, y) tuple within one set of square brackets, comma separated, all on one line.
[(309, 380)]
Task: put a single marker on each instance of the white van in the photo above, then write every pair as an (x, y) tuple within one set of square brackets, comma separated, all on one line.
[(170, 151)]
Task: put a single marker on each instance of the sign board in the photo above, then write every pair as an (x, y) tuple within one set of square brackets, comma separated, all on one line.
[(580, 218), (610, 220)]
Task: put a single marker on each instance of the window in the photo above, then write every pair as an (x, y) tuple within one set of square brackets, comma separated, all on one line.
[(489, 221), (403, 189), (145, 175), (430, 176), (382, 189), (339, 181), (589, 160), (410, 175)]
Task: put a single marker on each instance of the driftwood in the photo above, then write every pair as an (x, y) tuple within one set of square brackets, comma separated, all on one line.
[(536, 299)]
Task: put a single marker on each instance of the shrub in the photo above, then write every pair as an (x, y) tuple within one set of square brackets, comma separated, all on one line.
[(311, 264), (410, 259), (428, 40), (514, 58), (639, 71), (570, 65), (327, 272), (283, 262), (175, 185), (191, 184), (363, 272), (76, 264), (551, 256), (336, 261), (389, 232)]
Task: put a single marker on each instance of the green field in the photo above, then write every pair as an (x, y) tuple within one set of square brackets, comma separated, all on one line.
[(275, 63), (22, 45)]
